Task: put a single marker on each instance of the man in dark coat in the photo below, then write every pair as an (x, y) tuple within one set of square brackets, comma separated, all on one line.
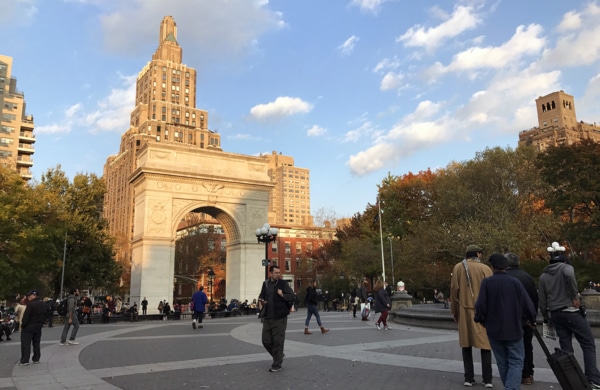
[(503, 308), (278, 296), (529, 284), (31, 328)]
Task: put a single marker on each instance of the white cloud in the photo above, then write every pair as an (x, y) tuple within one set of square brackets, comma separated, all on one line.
[(316, 131), (372, 6), (391, 81), (53, 129), (525, 41), (387, 63), (112, 113), (18, 12), (282, 106), (462, 19), (366, 129), (215, 27), (347, 47), (570, 21), (580, 44)]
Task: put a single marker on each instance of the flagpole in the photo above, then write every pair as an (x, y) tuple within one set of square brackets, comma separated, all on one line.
[(381, 238)]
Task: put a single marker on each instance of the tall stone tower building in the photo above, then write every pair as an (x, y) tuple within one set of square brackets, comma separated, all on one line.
[(16, 126), (165, 111), (557, 123), (289, 203)]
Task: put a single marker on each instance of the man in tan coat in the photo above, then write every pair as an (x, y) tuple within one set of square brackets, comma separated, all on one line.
[(464, 290)]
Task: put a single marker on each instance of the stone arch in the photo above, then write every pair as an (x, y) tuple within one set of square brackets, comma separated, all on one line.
[(172, 180)]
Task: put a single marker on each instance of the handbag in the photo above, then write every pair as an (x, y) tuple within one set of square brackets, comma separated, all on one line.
[(86, 309)]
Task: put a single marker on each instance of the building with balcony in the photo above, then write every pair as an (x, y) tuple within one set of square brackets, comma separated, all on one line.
[(557, 123), (16, 126)]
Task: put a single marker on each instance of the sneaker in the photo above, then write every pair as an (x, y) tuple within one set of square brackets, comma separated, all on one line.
[(469, 384), (22, 364), (387, 328), (594, 385), (274, 369), (36, 362), (194, 324), (378, 326), (65, 343), (528, 380), (73, 342), (488, 385)]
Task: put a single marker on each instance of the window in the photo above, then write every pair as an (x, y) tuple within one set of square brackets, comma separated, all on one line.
[(298, 247), (287, 248), (287, 265)]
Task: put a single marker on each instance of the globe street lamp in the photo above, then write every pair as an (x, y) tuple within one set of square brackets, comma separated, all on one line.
[(266, 234), (211, 277)]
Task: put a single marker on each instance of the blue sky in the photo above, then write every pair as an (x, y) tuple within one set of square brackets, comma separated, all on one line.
[(352, 89)]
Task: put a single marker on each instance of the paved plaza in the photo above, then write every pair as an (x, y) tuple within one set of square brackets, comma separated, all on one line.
[(227, 354)]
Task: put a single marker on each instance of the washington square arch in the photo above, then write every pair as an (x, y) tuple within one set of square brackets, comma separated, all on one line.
[(171, 181)]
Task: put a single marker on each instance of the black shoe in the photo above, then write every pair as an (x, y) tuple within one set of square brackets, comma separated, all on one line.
[(8, 339), (275, 369)]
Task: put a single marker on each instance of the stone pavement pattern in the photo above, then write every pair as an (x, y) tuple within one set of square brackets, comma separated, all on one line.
[(227, 354)]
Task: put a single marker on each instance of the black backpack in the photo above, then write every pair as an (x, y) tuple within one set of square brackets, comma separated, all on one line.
[(63, 307)]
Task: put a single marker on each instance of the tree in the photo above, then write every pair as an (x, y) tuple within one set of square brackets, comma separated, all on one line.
[(89, 247), (572, 173)]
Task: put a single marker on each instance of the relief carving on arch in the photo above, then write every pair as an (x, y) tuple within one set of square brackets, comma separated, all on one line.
[(178, 205), (212, 187), (257, 217), (158, 216)]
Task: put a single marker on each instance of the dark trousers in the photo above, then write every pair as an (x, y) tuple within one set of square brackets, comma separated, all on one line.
[(354, 310), (383, 317), (528, 344), (197, 316), (486, 364), (50, 319), (569, 324), (273, 338), (144, 310), (29, 337)]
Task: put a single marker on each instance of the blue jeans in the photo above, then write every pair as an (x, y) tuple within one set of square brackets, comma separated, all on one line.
[(569, 324), (509, 358), (312, 310)]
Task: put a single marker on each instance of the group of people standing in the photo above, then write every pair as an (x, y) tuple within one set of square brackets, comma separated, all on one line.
[(496, 309)]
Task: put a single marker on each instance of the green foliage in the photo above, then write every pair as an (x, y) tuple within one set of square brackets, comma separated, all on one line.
[(33, 222), (572, 173)]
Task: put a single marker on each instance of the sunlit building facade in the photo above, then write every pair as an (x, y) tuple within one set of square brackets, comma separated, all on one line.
[(16, 126), (557, 123)]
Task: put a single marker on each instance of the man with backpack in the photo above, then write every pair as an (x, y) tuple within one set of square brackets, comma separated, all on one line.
[(70, 318), (277, 297)]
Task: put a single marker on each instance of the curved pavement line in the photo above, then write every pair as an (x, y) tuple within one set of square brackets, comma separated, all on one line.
[(60, 368)]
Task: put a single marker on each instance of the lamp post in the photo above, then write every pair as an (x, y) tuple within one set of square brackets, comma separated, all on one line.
[(392, 257), (266, 234), (211, 277)]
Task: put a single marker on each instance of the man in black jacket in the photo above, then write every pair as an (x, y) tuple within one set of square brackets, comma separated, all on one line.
[(31, 328), (529, 283), (278, 296)]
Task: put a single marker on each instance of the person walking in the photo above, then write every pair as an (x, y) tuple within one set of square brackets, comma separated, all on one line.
[(502, 306), (144, 304), (559, 303), (86, 310), (362, 294), (71, 319), (31, 328), (277, 295), (312, 300), (529, 283), (464, 289), (199, 300), (50, 307), (382, 305)]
